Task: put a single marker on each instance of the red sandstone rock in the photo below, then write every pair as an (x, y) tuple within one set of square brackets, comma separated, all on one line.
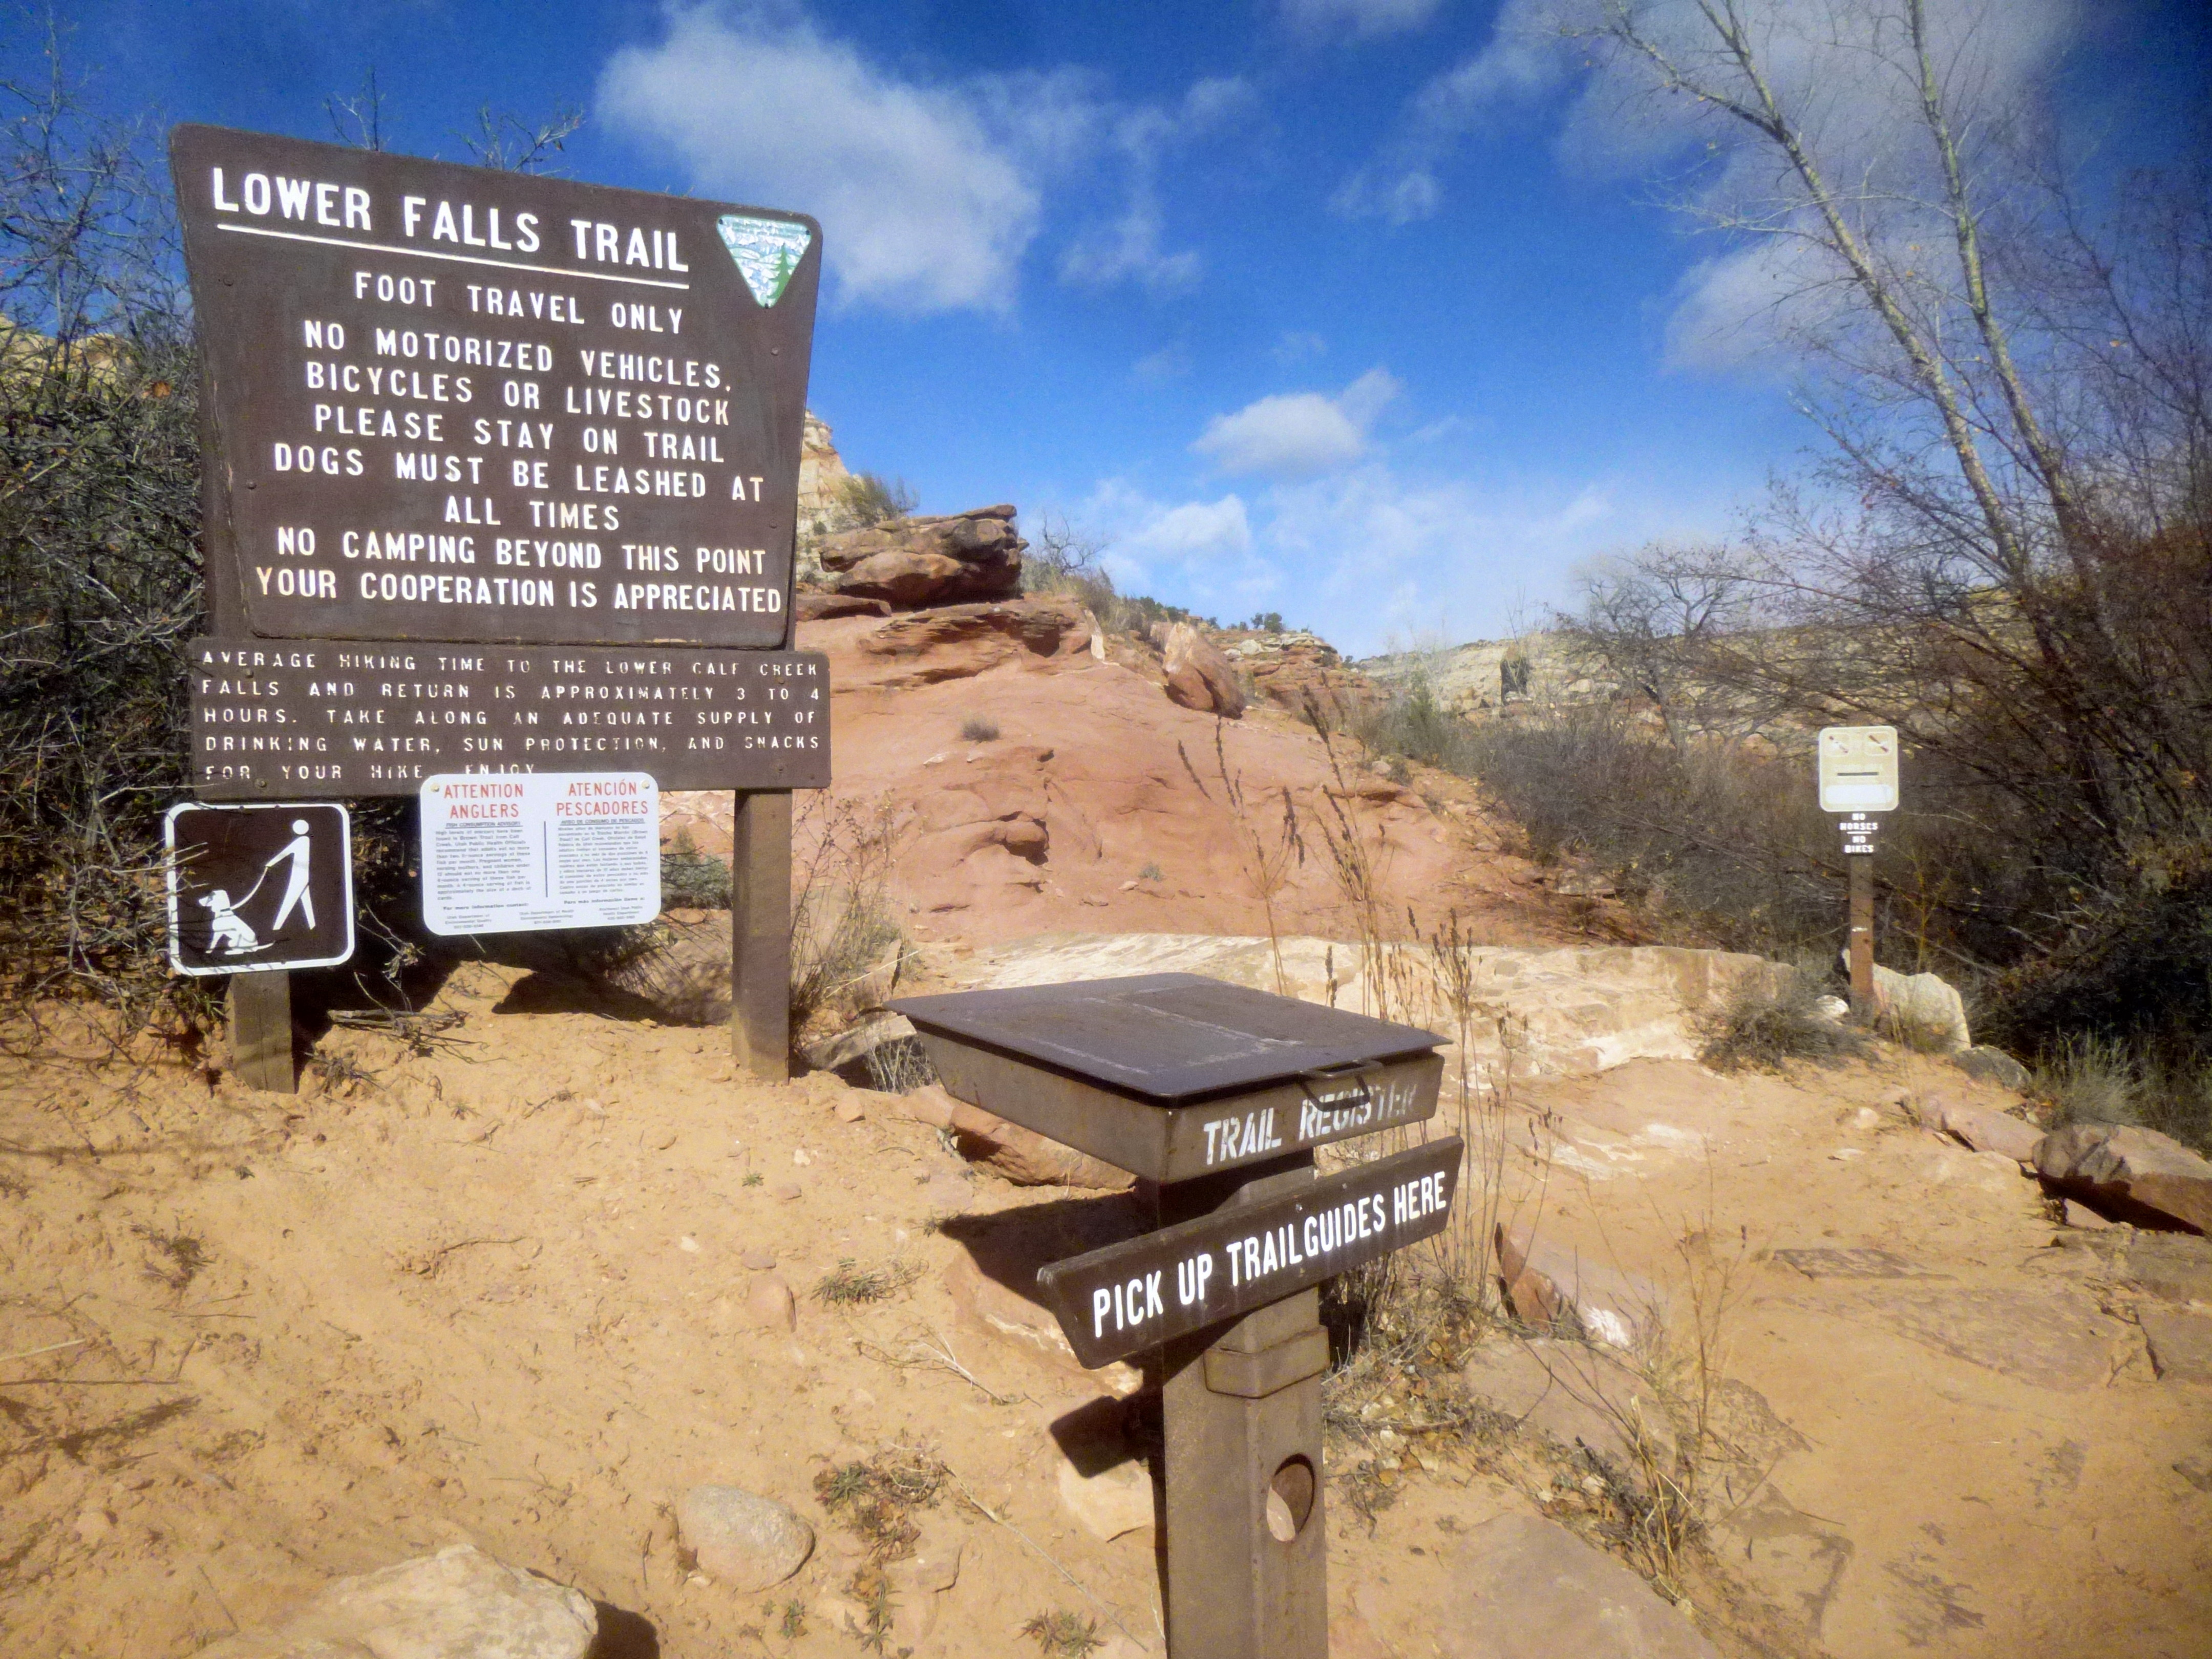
[(1198, 676)]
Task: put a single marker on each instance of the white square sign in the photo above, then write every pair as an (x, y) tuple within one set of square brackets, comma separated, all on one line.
[(1858, 769), (525, 852)]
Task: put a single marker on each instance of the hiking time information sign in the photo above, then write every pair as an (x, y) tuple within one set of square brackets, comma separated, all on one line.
[(456, 404)]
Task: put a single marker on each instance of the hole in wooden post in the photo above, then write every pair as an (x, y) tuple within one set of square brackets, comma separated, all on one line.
[(1289, 1499)]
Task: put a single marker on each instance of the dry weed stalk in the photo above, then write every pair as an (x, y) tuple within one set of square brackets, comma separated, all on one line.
[(1265, 863), (1466, 1251), (1659, 1506), (1360, 864), (846, 948)]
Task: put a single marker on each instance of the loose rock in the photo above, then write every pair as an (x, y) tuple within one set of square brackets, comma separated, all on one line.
[(1198, 676), (1552, 1283), (741, 1539), (2129, 1170), (460, 1601), (1988, 1065), (1028, 1158), (1986, 1131), (1928, 1001), (768, 1306)]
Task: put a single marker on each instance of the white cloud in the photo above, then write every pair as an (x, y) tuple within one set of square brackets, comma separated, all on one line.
[(1398, 197), (930, 193), (1130, 247), (1128, 250), (1300, 434), (1318, 17), (1202, 551), (1371, 556), (1295, 345), (923, 206), (1169, 362)]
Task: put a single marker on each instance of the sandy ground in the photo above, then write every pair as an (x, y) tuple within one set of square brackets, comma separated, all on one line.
[(498, 1291)]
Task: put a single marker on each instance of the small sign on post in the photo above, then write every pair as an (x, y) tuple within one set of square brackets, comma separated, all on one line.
[(529, 852), (1858, 778), (255, 891), (259, 889)]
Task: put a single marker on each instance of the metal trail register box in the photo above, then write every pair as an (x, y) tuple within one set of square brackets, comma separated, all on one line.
[(1218, 1094)]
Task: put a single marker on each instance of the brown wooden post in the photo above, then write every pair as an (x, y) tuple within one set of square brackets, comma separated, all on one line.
[(261, 1031), (1861, 934), (1247, 1542), (760, 934)]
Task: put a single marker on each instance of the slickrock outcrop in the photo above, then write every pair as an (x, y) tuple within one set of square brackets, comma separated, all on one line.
[(956, 558), (1295, 668)]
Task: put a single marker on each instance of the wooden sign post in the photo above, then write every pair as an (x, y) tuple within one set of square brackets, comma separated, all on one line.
[(500, 475), (1219, 1094), (1858, 777)]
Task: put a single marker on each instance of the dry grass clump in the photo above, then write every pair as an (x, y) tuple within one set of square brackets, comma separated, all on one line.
[(874, 1498), (2096, 1080), (980, 728), (846, 948), (1064, 1635), (847, 1284), (1768, 1022)]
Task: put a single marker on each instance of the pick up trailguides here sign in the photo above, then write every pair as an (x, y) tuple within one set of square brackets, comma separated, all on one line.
[(508, 854), (1128, 1298), (451, 403)]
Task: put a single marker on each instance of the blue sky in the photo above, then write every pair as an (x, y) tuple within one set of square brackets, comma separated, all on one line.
[(1357, 310)]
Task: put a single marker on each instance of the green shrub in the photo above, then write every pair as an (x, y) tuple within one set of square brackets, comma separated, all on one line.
[(691, 879)]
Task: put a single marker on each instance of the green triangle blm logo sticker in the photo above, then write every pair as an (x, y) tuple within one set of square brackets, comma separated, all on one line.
[(766, 251)]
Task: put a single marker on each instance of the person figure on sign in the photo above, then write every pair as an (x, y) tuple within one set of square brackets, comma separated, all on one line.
[(297, 850), (227, 932)]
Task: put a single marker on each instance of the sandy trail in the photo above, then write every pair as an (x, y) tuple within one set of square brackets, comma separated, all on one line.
[(498, 1291)]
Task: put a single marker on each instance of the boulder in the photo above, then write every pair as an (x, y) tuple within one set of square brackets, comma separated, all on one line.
[(1987, 1131), (1552, 1284), (1022, 1156), (1926, 1000), (914, 563), (458, 1604), (741, 1539), (1028, 1158), (2129, 1172), (1987, 1065), (1198, 676)]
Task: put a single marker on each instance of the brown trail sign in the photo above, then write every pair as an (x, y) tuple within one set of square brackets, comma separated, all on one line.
[(500, 475), (1218, 1093), (452, 403)]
